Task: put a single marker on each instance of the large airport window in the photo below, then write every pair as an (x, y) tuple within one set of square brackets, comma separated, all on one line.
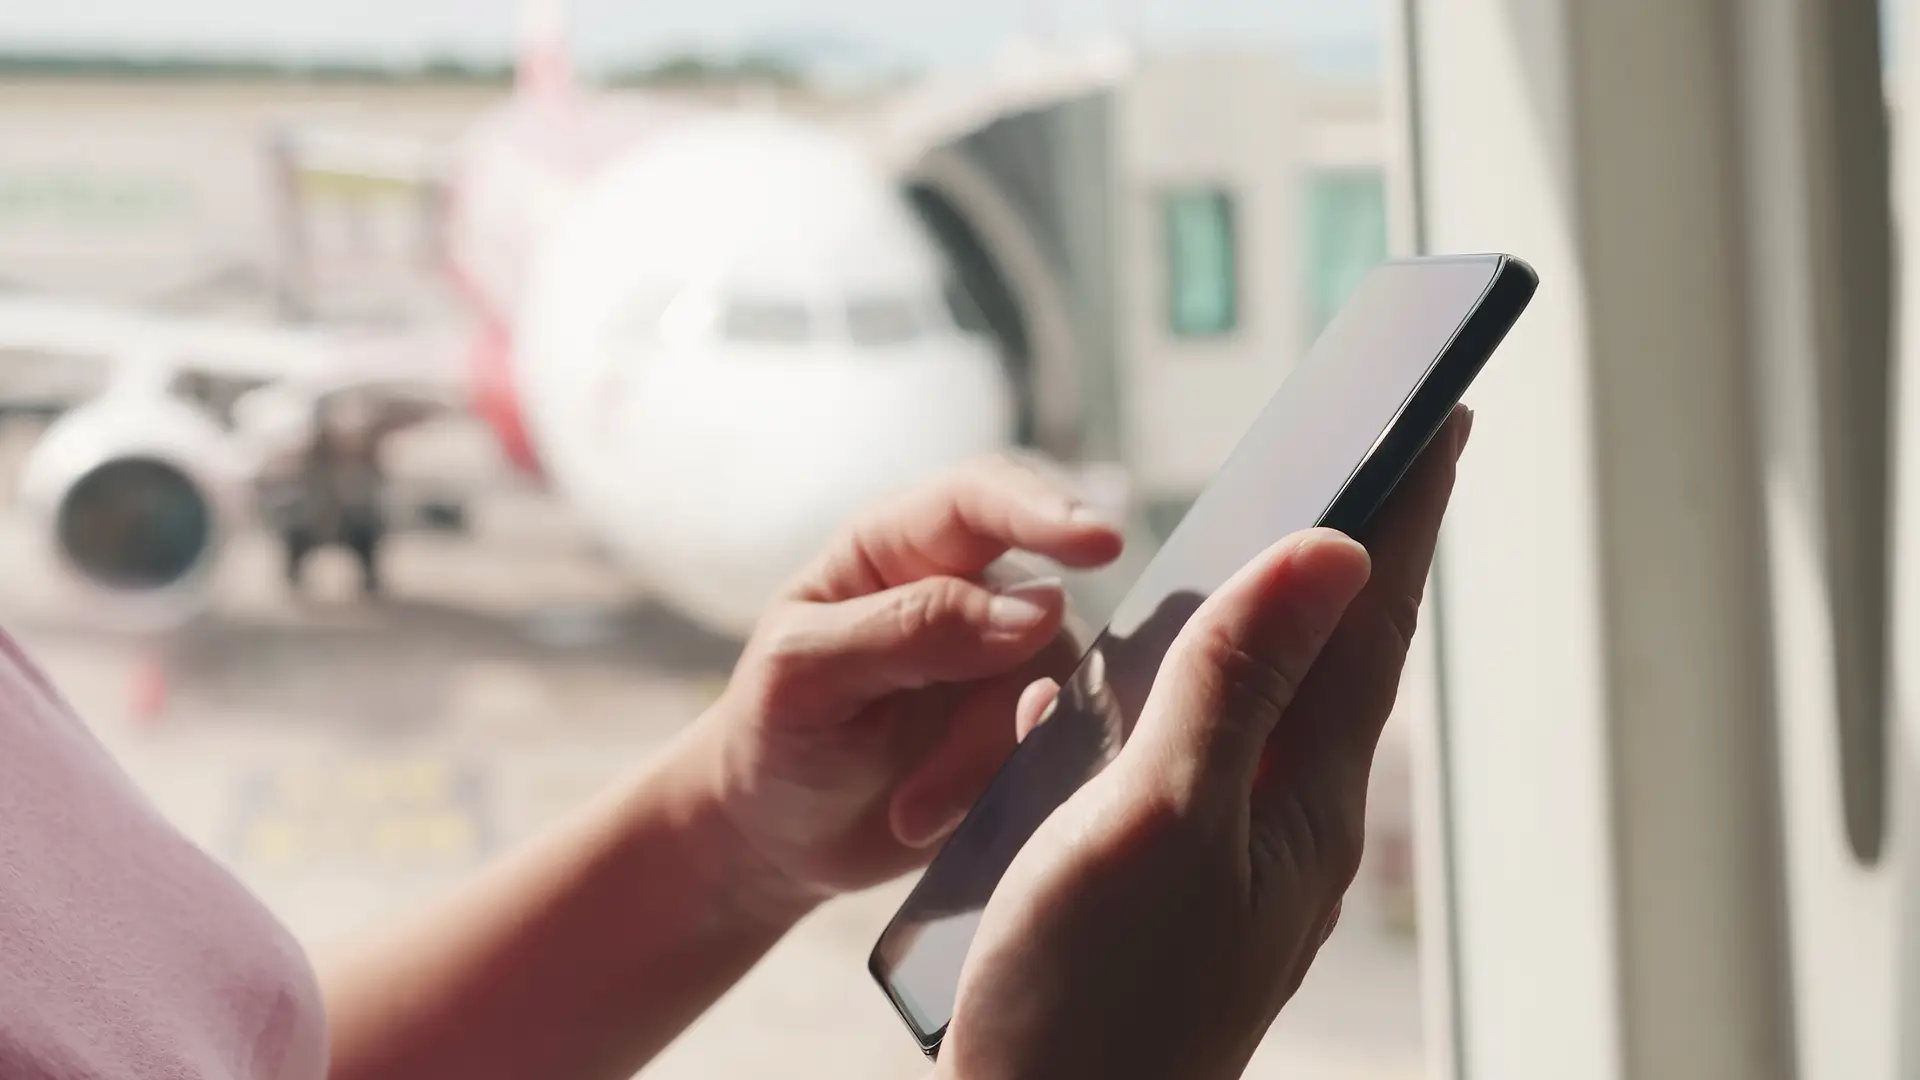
[(766, 322), (1347, 236), (1202, 264)]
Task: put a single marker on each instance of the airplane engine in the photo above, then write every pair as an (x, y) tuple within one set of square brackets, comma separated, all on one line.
[(133, 498)]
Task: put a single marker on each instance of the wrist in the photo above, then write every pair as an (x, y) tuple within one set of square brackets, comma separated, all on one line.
[(744, 885)]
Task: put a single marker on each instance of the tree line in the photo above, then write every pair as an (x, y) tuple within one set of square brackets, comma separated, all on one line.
[(672, 70)]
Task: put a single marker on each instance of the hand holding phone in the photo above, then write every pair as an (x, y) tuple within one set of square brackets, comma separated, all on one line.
[(1329, 448), (1157, 922)]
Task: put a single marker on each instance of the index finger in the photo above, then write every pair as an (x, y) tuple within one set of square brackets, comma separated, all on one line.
[(1353, 686), (956, 526), (1404, 534)]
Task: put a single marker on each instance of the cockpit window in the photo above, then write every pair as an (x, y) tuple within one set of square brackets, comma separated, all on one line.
[(765, 322), (876, 322)]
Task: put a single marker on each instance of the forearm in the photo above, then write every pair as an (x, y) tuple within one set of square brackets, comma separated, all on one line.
[(581, 958)]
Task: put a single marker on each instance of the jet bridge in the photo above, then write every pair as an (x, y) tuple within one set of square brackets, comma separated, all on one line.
[(1130, 228)]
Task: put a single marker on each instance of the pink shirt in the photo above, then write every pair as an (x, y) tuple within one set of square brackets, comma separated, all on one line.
[(125, 952)]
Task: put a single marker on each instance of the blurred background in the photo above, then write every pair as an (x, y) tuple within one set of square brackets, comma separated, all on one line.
[(405, 409)]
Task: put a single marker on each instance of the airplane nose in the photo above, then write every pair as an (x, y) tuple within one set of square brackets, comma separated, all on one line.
[(778, 461)]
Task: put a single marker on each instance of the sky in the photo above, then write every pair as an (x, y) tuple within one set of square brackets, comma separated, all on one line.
[(912, 33)]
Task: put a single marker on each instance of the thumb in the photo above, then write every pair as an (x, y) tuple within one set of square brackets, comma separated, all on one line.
[(824, 659), (1234, 668)]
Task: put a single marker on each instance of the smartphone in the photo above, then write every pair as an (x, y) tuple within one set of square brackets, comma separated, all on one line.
[(1326, 450)]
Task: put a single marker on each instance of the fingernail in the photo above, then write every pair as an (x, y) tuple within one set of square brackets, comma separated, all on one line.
[(1046, 714), (946, 827), (1023, 606), (1466, 432)]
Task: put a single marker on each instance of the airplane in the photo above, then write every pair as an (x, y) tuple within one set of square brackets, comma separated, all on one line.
[(160, 430), (715, 333)]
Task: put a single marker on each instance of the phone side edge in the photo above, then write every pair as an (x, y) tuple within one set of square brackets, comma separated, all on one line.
[(1426, 409), (929, 1043)]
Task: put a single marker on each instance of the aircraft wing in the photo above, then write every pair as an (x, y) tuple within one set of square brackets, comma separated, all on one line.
[(41, 335), (134, 343), (267, 384)]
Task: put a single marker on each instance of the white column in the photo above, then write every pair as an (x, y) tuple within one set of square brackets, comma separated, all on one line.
[(1905, 653), (1605, 762), (1817, 224)]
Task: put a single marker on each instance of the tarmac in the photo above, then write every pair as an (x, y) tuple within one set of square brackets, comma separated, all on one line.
[(350, 761)]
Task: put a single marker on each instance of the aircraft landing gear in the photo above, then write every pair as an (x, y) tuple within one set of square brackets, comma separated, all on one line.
[(363, 539)]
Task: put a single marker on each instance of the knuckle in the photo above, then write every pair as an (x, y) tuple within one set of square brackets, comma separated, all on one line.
[(947, 518), (928, 607), (848, 536), (871, 518), (911, 612), (1247, 676), (781, 643), (1401, 618), (845, 566), (780, 655)]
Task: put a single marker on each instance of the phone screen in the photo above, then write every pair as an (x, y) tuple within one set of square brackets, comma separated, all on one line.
[(1295, 460)]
